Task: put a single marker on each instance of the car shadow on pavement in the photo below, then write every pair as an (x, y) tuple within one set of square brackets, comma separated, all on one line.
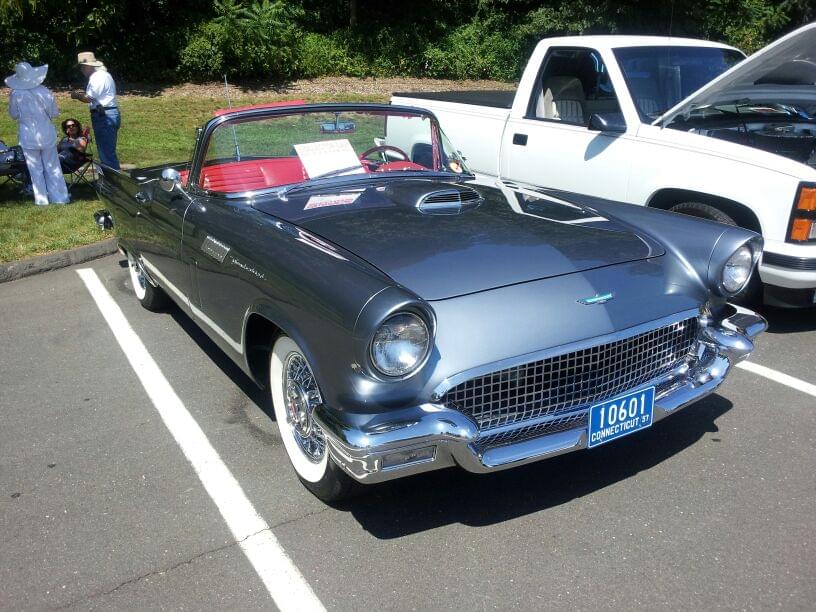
[(420, 503), (789, 320), (254, 394)]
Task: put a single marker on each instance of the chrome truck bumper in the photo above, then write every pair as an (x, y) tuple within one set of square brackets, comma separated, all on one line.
[(432, 436)]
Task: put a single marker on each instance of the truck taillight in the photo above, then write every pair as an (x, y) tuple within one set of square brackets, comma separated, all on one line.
[(803, 217)]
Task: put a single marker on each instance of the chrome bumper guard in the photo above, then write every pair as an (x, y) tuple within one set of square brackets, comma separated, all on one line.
[(432, 436)]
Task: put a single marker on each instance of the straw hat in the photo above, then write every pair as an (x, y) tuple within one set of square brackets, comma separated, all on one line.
[(87, 58), (26, 76)]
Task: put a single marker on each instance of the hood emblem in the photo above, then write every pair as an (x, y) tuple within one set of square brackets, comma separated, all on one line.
[(600, 298)]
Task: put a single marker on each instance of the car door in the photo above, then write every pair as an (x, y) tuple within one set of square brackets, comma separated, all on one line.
[(220, 241), (162, 214), (550, 144), (119, 189)]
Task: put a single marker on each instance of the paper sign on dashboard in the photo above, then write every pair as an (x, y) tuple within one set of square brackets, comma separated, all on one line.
[(328, 156)]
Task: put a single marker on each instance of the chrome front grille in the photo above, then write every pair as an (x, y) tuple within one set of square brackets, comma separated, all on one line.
[(569, 382)]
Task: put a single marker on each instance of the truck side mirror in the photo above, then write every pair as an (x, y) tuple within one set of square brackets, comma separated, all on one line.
[(607, 122), (170, 179)]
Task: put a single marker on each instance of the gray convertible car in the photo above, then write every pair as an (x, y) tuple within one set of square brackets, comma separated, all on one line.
[(406, 316)]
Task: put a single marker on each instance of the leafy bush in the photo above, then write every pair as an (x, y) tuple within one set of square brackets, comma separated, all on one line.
[(262, 40), (280, 39), (322, 55), (385, 52), (746, 24), (203, 57), (489, 48)]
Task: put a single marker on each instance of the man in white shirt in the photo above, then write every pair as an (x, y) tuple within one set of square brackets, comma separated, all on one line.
[(100, 94), (33, 107)]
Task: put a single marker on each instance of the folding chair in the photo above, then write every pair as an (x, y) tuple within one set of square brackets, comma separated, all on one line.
[(13, 167), (85, 173)]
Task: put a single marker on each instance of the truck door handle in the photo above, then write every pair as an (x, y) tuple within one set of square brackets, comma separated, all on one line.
[(520, 139), (141, 197)]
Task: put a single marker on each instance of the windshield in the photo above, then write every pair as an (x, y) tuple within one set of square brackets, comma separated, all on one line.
[(659, 77), (249, 154)]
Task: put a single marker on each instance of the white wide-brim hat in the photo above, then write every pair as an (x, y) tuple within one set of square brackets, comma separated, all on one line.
[(27, 76), (87, 58)]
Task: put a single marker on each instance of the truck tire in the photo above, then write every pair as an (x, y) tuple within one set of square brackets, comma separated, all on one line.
[(751, 295), (704, 211)]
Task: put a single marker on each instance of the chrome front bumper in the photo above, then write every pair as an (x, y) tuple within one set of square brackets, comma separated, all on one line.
[(432, 436)]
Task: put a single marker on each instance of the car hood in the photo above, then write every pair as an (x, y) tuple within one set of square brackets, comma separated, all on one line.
[(782, 72), (489, 238)]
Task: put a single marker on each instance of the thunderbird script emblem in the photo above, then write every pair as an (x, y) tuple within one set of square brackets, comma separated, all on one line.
[(600, 298)]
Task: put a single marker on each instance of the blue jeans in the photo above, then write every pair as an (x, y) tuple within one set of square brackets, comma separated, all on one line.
[(106, 127)]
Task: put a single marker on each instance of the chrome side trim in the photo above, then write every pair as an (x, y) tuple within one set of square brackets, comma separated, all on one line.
[(198, 314)]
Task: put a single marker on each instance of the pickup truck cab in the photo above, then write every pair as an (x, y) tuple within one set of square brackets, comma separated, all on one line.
[(677, 124)]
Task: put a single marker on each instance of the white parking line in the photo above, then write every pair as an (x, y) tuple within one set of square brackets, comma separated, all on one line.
[(285, 584), (784, 379)]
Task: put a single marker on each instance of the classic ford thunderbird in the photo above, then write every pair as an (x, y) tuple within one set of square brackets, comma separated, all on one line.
[(408, 316)]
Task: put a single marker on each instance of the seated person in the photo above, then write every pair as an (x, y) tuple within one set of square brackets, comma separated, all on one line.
[(71, 149)]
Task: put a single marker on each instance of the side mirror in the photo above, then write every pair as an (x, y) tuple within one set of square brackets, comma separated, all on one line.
[(607, 122), (170, 179)]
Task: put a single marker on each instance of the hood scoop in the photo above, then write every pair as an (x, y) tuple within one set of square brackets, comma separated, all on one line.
[(449, 201), (434, 198)]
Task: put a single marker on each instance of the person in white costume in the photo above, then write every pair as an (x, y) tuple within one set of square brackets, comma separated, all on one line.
[(33, 107)]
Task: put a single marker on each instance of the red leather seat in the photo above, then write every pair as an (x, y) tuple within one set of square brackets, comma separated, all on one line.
[(235, 177)]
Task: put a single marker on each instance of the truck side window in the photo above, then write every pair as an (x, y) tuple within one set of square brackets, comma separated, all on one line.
[(573, 84)]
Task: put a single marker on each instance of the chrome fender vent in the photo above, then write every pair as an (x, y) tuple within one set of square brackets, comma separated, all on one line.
[(449, 201)]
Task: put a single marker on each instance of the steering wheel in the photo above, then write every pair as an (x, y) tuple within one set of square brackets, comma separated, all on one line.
[(382, 149)]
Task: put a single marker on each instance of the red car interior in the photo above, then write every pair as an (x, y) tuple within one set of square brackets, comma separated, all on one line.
[(250, 175)]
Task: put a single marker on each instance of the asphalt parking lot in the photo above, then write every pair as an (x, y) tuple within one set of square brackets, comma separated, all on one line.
[(101, 506)]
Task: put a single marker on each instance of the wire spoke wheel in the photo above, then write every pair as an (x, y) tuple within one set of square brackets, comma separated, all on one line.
[(301, 396), (295, 395)]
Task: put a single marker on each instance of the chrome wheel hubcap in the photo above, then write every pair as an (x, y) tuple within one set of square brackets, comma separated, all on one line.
[(302, 396), (138, 274)]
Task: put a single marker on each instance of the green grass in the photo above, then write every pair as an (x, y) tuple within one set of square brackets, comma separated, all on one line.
[(155, 130)]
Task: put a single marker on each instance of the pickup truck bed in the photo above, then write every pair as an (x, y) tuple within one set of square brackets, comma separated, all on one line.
[(496, 98)]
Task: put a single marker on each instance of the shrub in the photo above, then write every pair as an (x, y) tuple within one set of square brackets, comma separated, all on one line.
[(202, 58), (490, 48), (321, 55), (260, 41)]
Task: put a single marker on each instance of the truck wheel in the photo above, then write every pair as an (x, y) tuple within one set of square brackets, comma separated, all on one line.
[(752, 293), (704, 211), (294, 396), (150, 297)]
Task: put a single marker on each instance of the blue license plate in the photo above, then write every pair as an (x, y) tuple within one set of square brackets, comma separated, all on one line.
[(620, 416)]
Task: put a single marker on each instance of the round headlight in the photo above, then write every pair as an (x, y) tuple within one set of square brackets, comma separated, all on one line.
[(400, 344), (737, 269)]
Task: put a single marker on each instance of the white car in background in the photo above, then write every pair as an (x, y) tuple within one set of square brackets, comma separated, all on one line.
[(618, 117)]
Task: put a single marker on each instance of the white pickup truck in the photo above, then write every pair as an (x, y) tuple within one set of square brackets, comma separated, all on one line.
[(631, 119)]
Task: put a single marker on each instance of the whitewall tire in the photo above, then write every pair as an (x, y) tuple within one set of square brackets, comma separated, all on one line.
[(151, 297), (295, 394)]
